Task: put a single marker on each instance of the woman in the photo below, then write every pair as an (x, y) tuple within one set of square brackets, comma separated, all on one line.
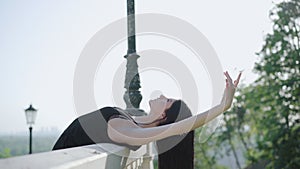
[(167, 117)]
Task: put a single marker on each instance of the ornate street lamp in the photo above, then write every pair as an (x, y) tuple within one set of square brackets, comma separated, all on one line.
[(30, 113), (132, 96)]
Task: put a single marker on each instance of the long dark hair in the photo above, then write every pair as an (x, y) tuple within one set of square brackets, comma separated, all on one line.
[(176, 152)]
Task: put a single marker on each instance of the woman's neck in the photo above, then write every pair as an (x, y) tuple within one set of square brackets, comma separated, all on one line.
[(147, 121), (143, 119)]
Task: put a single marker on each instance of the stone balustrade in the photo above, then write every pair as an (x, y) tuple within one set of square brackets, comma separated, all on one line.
[(97, 156)]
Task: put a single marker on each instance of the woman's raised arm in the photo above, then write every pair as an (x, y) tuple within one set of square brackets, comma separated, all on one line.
[(124, 131), (205, 117)]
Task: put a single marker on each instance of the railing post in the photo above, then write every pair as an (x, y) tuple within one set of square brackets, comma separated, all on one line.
[(147, 159)]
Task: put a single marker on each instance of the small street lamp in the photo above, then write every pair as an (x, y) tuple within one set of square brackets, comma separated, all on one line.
[(30, 113)]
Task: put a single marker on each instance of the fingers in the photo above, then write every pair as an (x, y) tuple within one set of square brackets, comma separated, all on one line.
[(236, 82), (226, 83), (228, 77), (229, 80)]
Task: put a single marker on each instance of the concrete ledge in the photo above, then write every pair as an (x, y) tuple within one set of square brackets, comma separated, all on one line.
[(100, 156)]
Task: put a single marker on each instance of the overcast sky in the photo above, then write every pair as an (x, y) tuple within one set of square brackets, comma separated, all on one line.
[(41, 41)]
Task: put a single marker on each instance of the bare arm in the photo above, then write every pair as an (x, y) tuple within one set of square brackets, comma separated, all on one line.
[(124, 131)]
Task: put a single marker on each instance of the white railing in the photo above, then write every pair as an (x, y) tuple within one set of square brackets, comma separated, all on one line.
[(97, 156)]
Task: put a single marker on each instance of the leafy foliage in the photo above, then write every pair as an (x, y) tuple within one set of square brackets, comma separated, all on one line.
[(264, 120), (5, 153), (279, 88)]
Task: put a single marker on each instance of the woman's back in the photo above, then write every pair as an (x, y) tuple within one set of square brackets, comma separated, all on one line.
[(90, 129)]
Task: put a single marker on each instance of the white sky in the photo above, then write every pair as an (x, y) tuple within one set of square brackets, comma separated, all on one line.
[(40, 42)]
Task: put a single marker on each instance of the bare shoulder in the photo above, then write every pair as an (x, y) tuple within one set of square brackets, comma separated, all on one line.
[(121, 123), (118, 128)]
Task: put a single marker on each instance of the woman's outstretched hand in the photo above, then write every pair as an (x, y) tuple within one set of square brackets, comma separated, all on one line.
[(229, 90)]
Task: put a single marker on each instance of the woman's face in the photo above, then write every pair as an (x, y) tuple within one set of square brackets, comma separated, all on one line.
[(159, 106)]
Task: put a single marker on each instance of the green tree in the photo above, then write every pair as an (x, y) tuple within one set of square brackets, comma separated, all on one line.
[(277, 90), (264, 120), (5, 153), (206, 154), (241, 127), (265, 115), (235, 136)]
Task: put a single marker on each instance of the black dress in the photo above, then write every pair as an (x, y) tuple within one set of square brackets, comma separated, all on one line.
[(91, 128)]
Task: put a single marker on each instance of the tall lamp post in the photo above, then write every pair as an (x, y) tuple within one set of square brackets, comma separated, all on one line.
[(132, 95), (30, 113)]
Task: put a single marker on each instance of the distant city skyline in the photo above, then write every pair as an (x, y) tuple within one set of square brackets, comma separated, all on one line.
[(42, 40)]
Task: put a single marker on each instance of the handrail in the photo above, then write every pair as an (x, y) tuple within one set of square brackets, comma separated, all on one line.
[(100, 156)]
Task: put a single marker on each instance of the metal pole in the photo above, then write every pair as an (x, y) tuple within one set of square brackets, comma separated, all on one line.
[(30, 140), (131, 27), (132, 95)]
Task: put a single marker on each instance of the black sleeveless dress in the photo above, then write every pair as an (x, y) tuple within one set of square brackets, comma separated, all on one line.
[(91, 128)]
